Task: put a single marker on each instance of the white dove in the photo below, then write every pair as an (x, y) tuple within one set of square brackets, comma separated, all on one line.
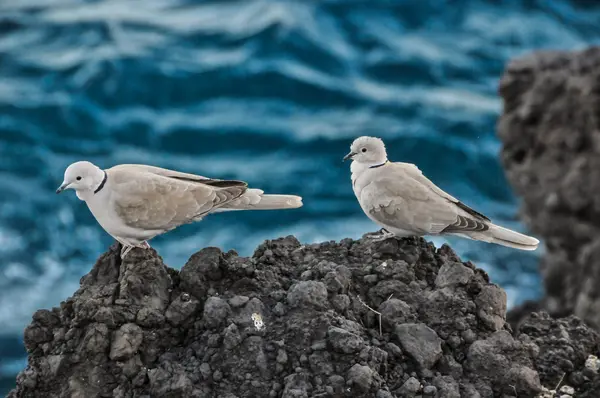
[(134, 203), (399, 198)]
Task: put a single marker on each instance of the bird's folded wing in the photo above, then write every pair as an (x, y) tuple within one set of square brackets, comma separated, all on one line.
[(406, 204), (414, 172), (178, 175), (153, 202)]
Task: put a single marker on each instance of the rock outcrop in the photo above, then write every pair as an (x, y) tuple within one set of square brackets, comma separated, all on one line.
[(550, 129), (397, 318)]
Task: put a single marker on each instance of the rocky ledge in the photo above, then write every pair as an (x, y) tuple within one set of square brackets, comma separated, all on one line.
[(550, 129), (397, 318)]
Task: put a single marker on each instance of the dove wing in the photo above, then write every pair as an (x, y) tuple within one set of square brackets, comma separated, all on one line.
[(401, 197), (178, 175), (414, 172), (150, 201)]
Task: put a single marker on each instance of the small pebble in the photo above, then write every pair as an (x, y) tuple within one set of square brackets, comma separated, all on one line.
[(593, 363), (306, 275), (567, 390), (279, 309), (319, 345)]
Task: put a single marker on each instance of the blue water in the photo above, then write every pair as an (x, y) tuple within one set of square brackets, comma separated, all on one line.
[(268, 92)]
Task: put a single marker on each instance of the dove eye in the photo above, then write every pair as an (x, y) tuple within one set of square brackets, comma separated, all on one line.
[(78, 178), (364, 150)]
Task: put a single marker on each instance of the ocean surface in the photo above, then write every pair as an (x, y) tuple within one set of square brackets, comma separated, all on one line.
[(270, 92)]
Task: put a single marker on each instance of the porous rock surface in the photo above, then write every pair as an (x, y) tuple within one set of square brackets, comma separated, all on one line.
[(550, 129), (298, 321)]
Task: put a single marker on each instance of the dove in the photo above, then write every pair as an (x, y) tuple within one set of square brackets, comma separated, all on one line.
[(400, 199), (134, 203)]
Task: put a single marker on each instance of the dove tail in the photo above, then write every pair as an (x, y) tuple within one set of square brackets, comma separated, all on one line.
[(255, 199), (273, 202), (504, 237)]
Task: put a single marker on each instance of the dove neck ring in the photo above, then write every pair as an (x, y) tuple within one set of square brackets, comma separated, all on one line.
[(101, 184), (379, 165)]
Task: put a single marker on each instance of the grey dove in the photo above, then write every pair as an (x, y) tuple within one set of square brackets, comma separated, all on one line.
[(399, 198), (134, 203)]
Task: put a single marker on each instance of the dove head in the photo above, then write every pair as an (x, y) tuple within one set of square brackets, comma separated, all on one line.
[(368, 151), (82, 177)]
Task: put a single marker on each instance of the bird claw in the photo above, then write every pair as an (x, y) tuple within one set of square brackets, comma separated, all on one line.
[(379, 236), (125, 249)]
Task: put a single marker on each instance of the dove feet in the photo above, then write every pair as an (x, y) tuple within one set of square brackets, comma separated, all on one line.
[(125, 249), (380, 235)]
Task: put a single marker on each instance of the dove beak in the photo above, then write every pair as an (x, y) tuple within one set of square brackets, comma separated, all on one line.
[(64, 186), (349, 156)]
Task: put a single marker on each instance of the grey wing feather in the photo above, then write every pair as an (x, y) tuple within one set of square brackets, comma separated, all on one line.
[(408, 205), (153, 202), (178, 175), (414, 172)]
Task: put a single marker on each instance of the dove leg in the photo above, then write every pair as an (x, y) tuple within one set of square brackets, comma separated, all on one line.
[(125, 249), (145, 245)]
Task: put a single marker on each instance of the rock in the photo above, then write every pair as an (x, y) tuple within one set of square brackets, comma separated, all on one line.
[(420, 342), (453, 274), (308, 293), (383, 394), (343, 341), (238, 301), (140, 329), (568, 390), (126, 342), (361, 377), (340, 302), (549, 130), (447, 387), (593, 363), (181, 309), (394, 312), (562, 349), (491, 306), (216, 311), (232, 337), (149, 317), (410, 388), (524, 380), (501, 360)]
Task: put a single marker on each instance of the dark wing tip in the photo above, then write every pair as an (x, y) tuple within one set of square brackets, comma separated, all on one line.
[(224, 183), (464, 224), (471, 211), (213, 183)]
